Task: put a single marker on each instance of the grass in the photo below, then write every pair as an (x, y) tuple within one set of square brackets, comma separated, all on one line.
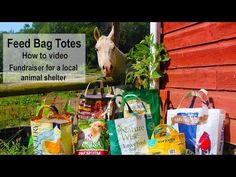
[(18, 110), (15, 148), (65, 95)]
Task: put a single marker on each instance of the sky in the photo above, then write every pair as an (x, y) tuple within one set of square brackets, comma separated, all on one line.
[(15, 26)]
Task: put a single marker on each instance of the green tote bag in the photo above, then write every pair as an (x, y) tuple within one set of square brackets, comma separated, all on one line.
[(150, 98)]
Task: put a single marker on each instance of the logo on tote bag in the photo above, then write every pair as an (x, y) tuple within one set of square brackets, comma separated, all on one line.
[(189, 119), (132, 135)]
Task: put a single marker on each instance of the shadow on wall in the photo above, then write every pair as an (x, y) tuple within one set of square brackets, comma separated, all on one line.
[(229, 149), (165, 79)]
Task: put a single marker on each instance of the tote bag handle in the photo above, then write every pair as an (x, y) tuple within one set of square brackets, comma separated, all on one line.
[(198, 95), (111, 106), (95, 88), (55, 113), (133, 95), (157, 130), (40, 112)]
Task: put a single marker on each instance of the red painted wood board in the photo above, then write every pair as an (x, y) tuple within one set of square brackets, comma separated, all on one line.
[(213, 78), (172, 26), (219, 53), (192, 78), (200, 34)]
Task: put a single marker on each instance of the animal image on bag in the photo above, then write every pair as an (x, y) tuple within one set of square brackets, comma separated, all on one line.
[(93, 105), (49, 140), (91, 108), (92, 137)]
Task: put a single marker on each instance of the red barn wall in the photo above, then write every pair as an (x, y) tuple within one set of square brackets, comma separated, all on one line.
[(203, 55)]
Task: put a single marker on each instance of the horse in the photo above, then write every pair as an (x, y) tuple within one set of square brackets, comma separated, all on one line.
[(111, 60)]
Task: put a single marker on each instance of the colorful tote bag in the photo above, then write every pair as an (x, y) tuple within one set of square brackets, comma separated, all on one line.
[(166, 140), (52, 135), (93, 138)]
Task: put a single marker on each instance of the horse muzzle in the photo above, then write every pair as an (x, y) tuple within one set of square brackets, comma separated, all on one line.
[(107, 70)]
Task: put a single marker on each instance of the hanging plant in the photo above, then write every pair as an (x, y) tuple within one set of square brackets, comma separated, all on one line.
[(143, 64)]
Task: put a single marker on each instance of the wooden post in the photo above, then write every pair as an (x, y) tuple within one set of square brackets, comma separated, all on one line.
[(158, 32)]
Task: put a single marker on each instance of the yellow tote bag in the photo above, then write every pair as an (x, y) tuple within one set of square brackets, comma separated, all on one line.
[(166, 140), (52, 135)]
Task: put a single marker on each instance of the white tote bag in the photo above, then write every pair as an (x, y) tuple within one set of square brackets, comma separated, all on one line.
[(203, 127)]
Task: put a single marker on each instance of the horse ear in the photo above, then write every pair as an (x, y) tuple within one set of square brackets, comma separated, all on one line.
[(96, 33), (112, 33)]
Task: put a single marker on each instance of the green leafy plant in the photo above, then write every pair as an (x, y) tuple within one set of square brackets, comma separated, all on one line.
[(143, 63)]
